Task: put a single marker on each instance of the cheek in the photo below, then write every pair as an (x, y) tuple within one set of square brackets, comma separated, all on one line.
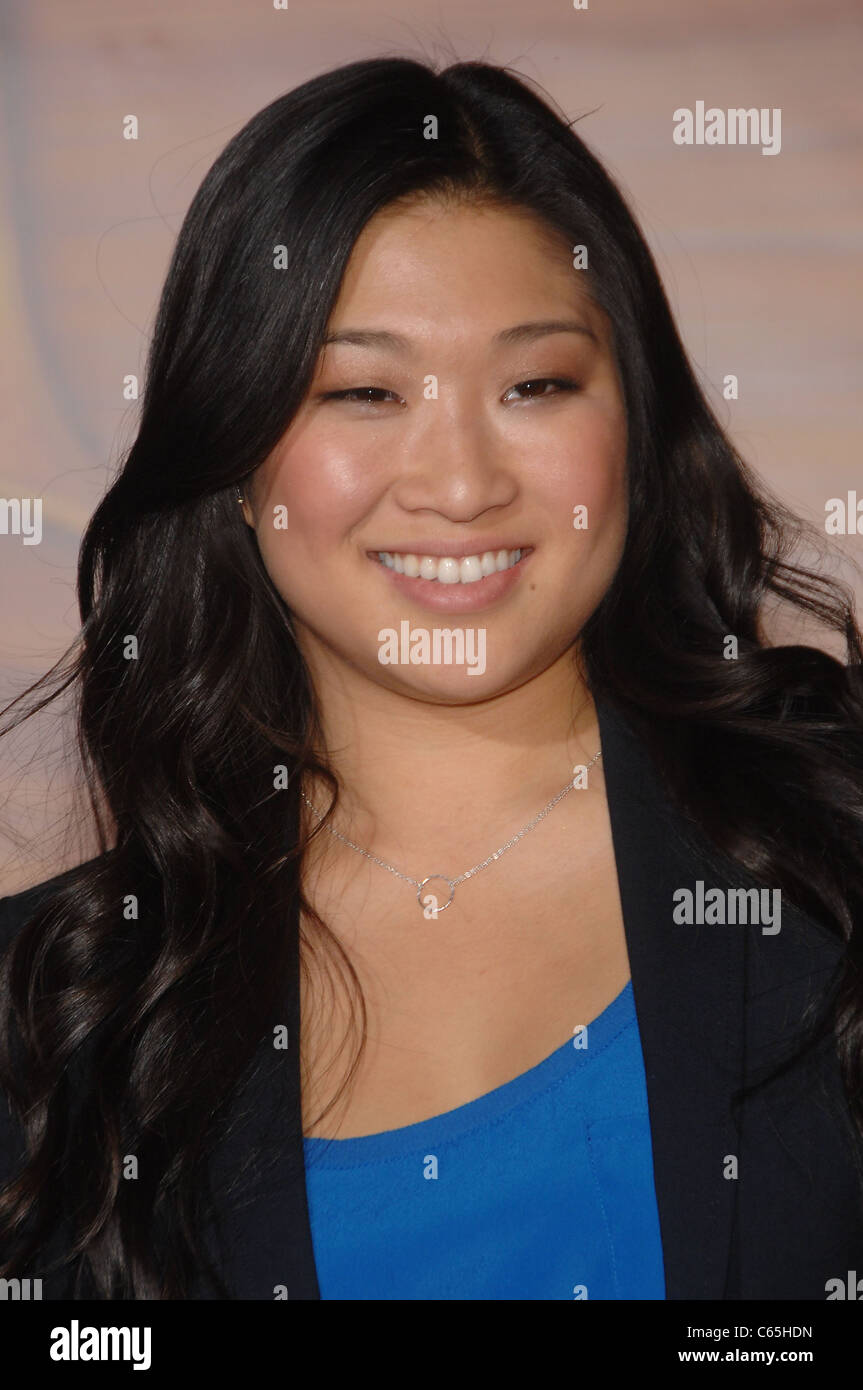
[(586, 469), (325, 490), (602, 488)]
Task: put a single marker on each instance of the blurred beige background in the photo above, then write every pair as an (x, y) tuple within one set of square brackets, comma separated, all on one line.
[(760, 254)]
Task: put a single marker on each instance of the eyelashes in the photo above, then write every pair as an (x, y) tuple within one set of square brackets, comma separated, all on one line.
[(563, 383), (356, 392), (360, 395)]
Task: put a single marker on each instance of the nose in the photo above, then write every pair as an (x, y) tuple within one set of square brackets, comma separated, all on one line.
[(451, 461)]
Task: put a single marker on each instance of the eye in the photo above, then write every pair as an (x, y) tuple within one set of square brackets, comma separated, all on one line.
[(371, 395), (563, 383), (360, 394)]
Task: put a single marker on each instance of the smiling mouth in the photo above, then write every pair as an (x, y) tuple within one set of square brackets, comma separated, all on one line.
[(446, 569)]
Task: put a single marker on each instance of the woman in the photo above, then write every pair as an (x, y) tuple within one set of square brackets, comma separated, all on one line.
[(474, 916)]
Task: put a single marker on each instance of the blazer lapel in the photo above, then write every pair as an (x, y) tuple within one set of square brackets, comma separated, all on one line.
[(688, 988), (263, 1245)]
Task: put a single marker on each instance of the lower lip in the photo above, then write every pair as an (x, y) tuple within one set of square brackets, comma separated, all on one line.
[(456, 598)]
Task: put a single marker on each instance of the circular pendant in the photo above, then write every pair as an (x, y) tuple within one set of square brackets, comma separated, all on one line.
[(442, 878)]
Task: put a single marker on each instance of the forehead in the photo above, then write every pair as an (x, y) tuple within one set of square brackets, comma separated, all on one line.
[(432, 259)]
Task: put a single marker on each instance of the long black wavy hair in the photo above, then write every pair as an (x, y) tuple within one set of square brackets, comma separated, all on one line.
[(162, 1015)]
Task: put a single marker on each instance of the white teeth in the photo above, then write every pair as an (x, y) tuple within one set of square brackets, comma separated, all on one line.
[(469, 569), (449, 570)]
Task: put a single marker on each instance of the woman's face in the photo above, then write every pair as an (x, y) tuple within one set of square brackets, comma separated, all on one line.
[(473, 429)]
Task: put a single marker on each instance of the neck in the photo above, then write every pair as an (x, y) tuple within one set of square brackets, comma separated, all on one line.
[(420, 780)]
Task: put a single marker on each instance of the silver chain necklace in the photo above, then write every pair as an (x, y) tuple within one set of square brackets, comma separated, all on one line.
[(453, 883)]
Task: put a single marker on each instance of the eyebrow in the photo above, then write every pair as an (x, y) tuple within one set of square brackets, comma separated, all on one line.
[(520, 333)]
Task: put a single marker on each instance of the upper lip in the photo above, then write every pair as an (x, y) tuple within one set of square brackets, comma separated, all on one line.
[(478, 545)]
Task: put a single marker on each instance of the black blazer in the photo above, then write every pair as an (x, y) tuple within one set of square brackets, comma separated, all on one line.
[(717, 1008)]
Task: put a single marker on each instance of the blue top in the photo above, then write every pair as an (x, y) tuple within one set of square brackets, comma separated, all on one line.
[(540, 1189)]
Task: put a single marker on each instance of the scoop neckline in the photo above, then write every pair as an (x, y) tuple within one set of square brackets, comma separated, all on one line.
[(351, 1152)]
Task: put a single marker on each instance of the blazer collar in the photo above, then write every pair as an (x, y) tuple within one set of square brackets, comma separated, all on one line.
[(690, 989)]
